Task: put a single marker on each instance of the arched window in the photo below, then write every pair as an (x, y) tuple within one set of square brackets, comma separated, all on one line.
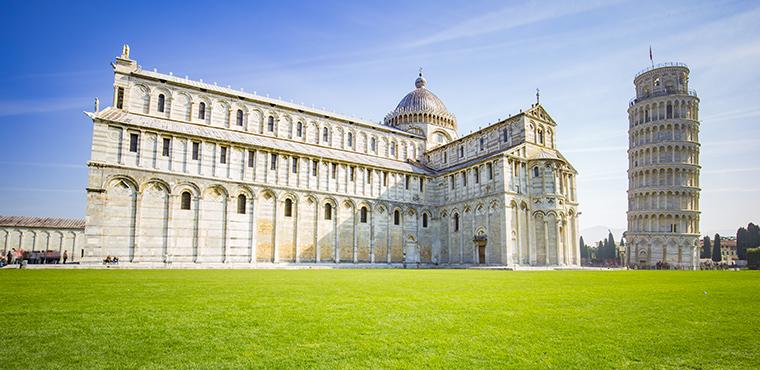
[(325, 135), (461, 152), (239, 119), (328, 211), (202, 110), (299, 129), (185, 203), (288, 208), (456, 222), (241, 204), (535, 171), (161, 102), (504, 135), (540, 136), (425, 220), (350, 140), (490, 171), (363, 215), (270, 124), (396, 217), (393, 149), (373, 144)]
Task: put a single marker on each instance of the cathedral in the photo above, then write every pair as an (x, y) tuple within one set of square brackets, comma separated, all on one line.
[(188, 173)]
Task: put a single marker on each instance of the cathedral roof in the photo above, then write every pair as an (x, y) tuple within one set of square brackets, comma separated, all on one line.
[(422, 101), (42, 222)]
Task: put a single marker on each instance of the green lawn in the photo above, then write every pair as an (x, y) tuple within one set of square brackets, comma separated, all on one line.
[(379, 318)]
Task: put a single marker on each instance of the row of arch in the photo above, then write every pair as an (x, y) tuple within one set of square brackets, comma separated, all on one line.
[(37, 239), (663, 177), (682, 154), (671, 222), (668, 108), (647, 251), (662, 133), (664, 200), (181, 105), (396, 119), (159, 222)]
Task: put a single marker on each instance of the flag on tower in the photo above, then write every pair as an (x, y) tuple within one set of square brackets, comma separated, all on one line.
[(650, 55)]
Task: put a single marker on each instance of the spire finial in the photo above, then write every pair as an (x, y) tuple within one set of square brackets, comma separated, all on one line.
[(538, 96), (125, 51), (420, 82)]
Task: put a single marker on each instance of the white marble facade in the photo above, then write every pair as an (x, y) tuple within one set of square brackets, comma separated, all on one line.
[(184, 171), (663, 169)]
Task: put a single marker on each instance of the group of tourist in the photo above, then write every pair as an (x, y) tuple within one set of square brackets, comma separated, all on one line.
[(710, 265), (18, 256), (111, 260)]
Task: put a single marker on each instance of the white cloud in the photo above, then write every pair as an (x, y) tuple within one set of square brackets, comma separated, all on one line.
[(22, 107), (508, 18)]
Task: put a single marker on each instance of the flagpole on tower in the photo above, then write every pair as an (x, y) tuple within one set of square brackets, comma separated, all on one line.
[(650, 56)]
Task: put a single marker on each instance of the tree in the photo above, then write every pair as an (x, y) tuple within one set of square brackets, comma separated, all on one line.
[(707, 248), (613, 252), (747, 238), (584, 248), (753, 258), (741, 243), (753, 237), (716, 249)]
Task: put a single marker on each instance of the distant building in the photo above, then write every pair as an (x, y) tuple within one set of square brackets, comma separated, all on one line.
[(727, 248), (43, 234)]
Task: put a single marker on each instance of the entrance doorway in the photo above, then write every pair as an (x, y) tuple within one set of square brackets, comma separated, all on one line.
[(481, 245)]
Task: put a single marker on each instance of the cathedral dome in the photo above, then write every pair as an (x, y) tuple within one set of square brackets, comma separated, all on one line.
[(421, 106)]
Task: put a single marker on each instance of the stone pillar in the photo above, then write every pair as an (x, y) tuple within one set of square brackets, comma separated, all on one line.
[(518, 236), (275, 234), (201, 239), (252, 243), (356, 235), (295, 213), (388, 229), (170, 242), (317, 211), (372, 227), (228, 210), (136, 239), (531, 238), (560, 244), (546, 240), (336, 232)]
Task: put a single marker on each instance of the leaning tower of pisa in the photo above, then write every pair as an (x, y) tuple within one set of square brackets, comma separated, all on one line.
[(663, 169)]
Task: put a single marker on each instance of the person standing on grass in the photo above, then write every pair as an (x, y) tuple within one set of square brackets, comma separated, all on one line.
[(65, 256), (9, 257)]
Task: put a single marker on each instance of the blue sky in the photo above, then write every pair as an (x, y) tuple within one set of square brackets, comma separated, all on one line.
[(483, 58)]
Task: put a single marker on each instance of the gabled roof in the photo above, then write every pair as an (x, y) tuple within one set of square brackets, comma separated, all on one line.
[(42, 222), (537, 111)]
